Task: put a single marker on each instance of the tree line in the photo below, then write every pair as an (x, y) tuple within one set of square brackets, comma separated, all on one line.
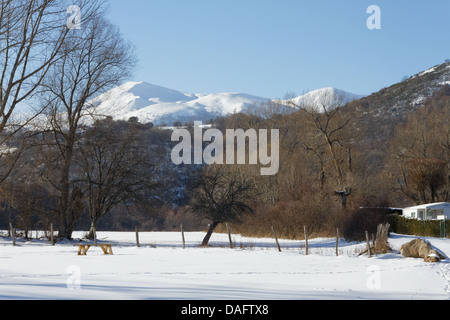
[(54, 160), (63, 162), (329, 177)]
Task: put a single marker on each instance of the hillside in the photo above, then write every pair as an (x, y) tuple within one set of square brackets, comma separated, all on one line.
[(377, 116), (379, 113)]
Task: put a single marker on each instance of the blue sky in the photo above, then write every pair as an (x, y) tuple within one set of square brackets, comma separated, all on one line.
[(271, 48)]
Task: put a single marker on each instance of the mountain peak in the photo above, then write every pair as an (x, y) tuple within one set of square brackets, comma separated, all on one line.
[(157, 104), (155, 93), (325, 98)]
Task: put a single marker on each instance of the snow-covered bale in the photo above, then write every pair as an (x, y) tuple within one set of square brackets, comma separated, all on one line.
[(432, 258), (419, 248)]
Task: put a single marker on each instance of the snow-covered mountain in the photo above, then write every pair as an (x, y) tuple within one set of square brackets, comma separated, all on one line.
[(328, 98), (152, 103)]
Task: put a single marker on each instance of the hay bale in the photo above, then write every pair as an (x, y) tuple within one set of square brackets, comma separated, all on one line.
[(419, 248)]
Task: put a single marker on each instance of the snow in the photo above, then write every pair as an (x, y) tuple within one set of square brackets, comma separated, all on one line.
[(419, 100), (328, 98), (426, 72), (255, 270), (152, 103)]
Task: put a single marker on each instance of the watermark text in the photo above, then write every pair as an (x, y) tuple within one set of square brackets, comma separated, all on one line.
[(232, 151)]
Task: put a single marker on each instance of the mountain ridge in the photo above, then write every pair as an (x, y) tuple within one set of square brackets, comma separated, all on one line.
[(376, 117), (161, 105)]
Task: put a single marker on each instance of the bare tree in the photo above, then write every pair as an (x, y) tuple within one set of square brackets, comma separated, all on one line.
[(28, 199), (328, 136), (96, 59), (221, 195), (426, 177), (32, 34), (117, 168), (32, 37), (419, 161)]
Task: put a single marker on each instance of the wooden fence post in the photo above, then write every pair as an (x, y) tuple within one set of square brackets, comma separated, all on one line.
[(182, 237), (276, 238), (13, 234), (51, 235), (368, 244), (136, 228), (306, 241), (337, 241), (95, 235), (229, 236)]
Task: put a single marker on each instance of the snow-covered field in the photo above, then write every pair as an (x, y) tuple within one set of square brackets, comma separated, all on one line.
[(254, 270)]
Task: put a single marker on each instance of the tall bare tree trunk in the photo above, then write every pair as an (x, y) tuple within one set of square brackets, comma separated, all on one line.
[(97, 59)]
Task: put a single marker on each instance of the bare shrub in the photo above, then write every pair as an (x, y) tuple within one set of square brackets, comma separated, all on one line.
[(381, 239), (362, 220)]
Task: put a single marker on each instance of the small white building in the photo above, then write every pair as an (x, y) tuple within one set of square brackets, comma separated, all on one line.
[(431, 211)]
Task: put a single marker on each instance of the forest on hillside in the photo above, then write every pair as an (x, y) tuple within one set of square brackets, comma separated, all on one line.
[(122, 176)]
